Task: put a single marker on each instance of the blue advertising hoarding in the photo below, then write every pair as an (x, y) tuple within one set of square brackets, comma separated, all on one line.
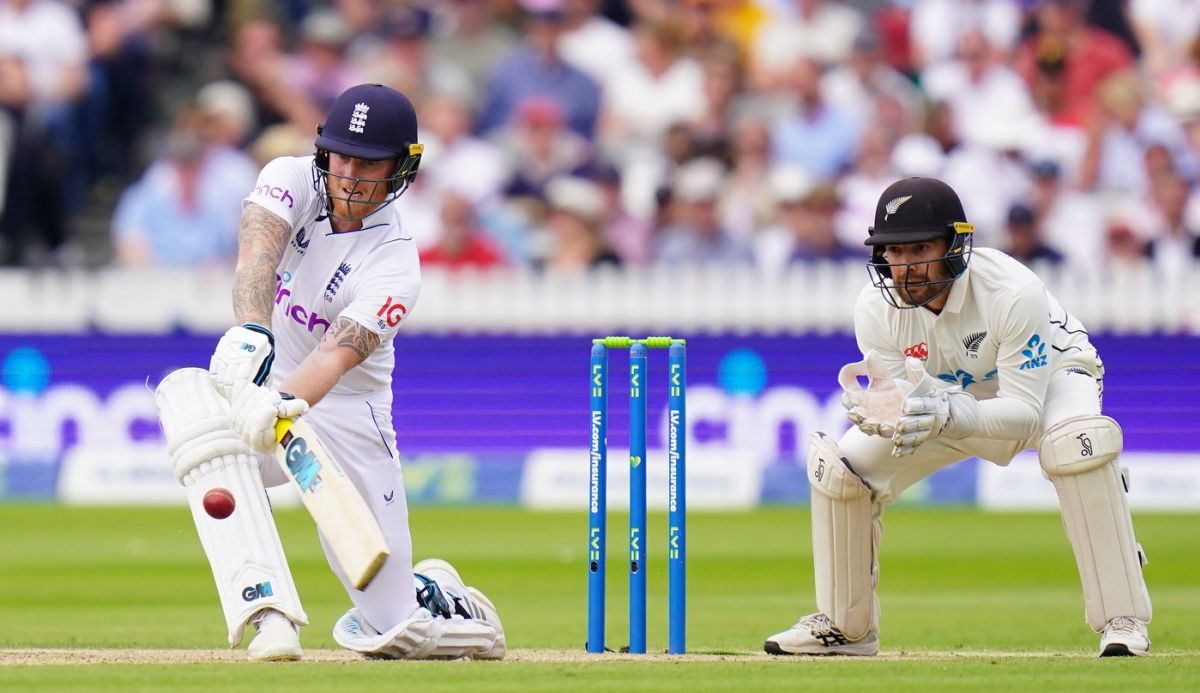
[(471, 411)]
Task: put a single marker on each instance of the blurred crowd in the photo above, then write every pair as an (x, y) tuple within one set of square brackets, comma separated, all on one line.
[(567, 134)]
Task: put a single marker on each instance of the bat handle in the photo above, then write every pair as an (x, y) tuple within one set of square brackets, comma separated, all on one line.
[(282, 426)]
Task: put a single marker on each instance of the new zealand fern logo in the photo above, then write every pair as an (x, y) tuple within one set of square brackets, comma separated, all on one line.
[(893, 206), (1034, 353), (972, 342)]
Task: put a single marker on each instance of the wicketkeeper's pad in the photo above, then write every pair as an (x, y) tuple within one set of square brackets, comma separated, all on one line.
[(846, 528), (1079, 455)]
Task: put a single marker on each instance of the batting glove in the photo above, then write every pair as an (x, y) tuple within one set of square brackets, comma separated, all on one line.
[(255, 410), (243, 355)]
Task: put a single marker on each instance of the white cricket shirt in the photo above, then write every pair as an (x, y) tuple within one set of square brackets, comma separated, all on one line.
[(371, 276), (1000, 337)]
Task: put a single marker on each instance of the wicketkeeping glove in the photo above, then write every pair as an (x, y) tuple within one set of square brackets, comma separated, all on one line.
[(873, 410), (243, 355), (933, 409)]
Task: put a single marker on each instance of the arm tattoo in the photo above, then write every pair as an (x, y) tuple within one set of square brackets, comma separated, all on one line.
[(261, 239), (352, 335)]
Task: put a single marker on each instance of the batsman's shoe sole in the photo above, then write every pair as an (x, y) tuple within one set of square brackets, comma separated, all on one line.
[(864, 649)]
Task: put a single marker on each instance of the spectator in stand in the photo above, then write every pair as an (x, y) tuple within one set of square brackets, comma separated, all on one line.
[(1085, 55), (1024, 238), (712, 130), (405, 60), (815, 136), (1168, 32), (804, 232), (471, 35), (539, 146), (746, 201), (821, 31), (319, 68), (1067, 219), (937, 26), (627, 234), (860, 188), (659, 88), (1175, 243), (574, 238), (1124, 245), (535, 69), (184, 211), (43, 62), (1125, 127), (452, 149), (694, 234), (859, 84), (978, 87), (463, 243), (257, 61), (593, 43)]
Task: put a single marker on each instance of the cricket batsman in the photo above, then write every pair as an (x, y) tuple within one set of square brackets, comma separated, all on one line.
[(326, 275), (965, 354)]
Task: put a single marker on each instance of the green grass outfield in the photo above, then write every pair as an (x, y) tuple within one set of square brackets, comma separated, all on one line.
[(971, 601)]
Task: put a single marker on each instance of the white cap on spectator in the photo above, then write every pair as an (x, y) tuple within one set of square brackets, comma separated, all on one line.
[(231, 100), (918, 155), (577, 196), (789, 183), (1183, 98), (325, 27), (699, 180)]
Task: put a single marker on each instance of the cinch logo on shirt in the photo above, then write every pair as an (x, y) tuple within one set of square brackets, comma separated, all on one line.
[(918, 351), (298, 313), (1034, 356), (277, 193)]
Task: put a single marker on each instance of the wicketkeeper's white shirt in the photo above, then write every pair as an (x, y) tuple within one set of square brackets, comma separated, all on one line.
[(372, 276), (1000, 336)]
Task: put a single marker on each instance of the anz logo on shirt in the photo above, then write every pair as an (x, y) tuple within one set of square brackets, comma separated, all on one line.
[(1034, 354)]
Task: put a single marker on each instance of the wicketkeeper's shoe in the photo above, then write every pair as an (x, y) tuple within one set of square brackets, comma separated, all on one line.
[(278, 639), (464, 601), (815, 634), (1125, 637)]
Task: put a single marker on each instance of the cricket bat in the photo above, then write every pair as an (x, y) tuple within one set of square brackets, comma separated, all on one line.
[(331, 498)]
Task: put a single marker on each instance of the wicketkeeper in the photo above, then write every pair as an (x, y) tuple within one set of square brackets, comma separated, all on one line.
[(326, 275), (966, 355)]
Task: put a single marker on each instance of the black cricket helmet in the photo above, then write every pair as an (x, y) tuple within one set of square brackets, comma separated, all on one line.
[(372, 122), (913, 210)]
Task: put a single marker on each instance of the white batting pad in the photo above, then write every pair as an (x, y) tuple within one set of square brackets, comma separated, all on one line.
[(247, 559), (846, 527), (414, 638), (1079, 455)]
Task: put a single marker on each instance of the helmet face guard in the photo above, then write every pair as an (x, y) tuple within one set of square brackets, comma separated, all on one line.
[(958, 255), (396, 183)]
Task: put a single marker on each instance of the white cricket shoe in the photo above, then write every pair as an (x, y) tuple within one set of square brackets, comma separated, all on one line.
[(1125, 637), (278, 639), (464, 601), (815, 634)]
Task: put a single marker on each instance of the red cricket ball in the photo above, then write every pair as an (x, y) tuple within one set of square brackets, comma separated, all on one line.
[(219, 503)]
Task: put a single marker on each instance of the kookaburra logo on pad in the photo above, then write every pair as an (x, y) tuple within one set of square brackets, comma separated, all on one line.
[(894, 205), (359, 118)]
